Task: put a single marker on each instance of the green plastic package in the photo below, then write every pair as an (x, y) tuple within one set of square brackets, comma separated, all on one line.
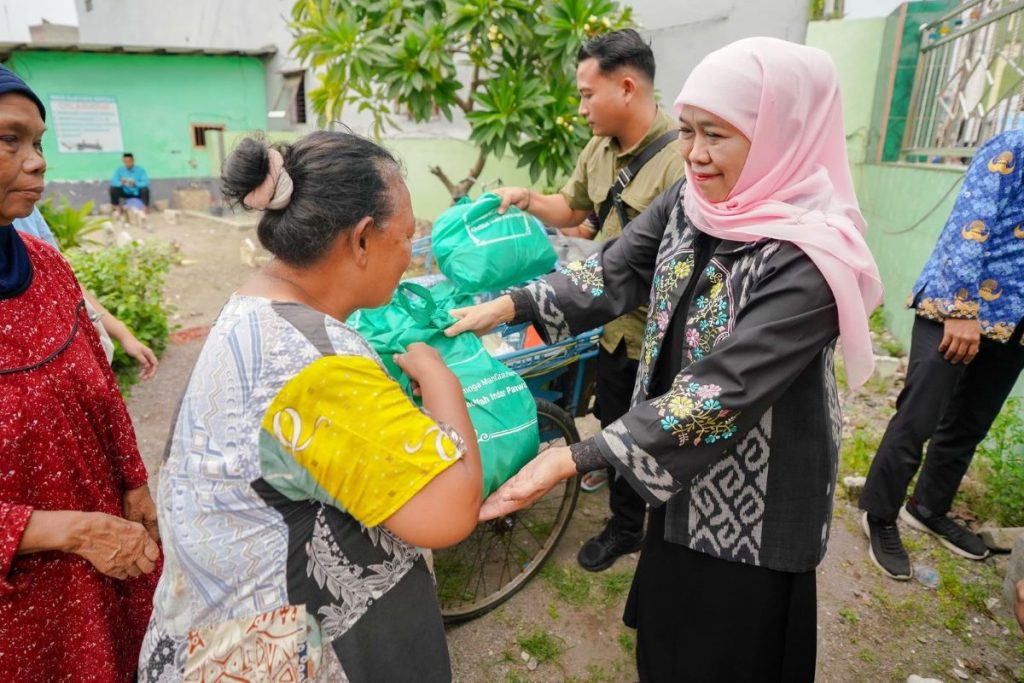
[(501, 408), (482, 251)]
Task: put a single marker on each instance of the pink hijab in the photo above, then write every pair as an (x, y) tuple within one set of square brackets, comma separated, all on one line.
[(796, 183)]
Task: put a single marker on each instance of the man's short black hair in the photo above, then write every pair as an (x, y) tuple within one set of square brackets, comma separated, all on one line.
[(618, 49), (128, 155)]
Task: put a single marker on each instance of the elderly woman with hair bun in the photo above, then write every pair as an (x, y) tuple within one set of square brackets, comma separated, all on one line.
[(299, 481)]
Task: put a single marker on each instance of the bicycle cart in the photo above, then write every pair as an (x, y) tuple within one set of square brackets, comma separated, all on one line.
[(501, 555)]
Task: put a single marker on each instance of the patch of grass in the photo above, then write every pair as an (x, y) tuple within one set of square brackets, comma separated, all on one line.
[(553, 611), (857, 453), (849, 616), (615, 585), (867, 656), (627, 641), (999, 466), (541, 645), (571, 585), (885, 338), (513, 677)]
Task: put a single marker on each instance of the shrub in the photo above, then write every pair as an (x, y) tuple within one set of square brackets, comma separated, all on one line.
[(71, 227), (129, 282), (1000, 465)]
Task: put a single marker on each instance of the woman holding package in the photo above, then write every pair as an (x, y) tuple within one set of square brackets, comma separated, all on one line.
[(752, 265), (299, 479), (78, 537)]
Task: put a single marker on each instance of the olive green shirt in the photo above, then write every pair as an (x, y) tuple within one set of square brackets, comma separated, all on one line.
[(589, 186)]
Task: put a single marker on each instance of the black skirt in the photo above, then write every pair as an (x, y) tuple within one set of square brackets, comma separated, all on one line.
[(701, 619)]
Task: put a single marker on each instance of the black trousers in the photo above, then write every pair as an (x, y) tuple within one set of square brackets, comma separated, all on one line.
[(951, 407), (117, 194), (616, 375)]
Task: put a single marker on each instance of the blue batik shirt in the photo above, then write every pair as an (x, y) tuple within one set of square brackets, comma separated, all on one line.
[(136, 173), (977, 267)]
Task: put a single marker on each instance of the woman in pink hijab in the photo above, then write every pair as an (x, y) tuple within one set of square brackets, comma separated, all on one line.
[(752, 266)]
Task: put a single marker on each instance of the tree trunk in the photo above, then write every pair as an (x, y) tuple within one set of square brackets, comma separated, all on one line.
[(461, 188)]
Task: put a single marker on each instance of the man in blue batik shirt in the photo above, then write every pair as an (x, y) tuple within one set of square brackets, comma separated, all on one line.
[(130, 181), (966, 354)]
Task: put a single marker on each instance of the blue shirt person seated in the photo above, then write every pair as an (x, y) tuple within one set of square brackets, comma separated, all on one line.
[(130, 181)]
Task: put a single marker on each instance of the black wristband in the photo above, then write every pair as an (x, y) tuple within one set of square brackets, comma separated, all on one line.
[(523, 307), (587, 456)]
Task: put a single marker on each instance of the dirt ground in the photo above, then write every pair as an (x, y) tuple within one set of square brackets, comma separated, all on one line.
[(870, 628)]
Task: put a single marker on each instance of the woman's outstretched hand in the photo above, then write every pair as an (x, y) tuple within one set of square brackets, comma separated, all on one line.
[(482, 318), (538, 477)]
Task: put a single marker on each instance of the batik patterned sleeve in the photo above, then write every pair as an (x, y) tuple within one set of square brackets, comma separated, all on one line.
[(343, 432), (13, 520), (583, 295), (662, 443), (988, 186)]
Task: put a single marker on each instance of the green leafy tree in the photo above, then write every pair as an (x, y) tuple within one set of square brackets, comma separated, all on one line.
[(507, 65)]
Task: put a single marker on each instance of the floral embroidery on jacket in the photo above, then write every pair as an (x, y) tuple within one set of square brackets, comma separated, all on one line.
[(665, 282), (692, 412), (711, 321), (586, 275)]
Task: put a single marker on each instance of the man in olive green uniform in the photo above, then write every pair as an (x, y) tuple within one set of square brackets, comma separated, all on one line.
[(615, 76)]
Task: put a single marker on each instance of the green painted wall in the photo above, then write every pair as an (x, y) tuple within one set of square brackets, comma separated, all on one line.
[(159, 97), (429, 197), (856, 47)]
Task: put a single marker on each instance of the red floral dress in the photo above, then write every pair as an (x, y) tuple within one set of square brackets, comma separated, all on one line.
[(66, 443)]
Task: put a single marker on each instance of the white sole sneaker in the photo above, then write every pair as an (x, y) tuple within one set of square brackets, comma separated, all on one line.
[(917, 525), (871, 553)]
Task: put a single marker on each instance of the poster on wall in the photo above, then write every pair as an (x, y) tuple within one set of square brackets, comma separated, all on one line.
[(86, 123)]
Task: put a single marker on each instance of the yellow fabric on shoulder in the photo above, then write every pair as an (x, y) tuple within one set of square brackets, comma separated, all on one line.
[(348, 424)]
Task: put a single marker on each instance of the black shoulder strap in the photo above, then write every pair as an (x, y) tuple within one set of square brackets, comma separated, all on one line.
[(627, 174)]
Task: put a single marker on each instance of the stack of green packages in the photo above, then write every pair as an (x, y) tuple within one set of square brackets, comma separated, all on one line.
[(480, 250), (501, 407)]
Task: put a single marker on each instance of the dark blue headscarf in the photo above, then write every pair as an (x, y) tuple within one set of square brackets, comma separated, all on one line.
[(15, 266)]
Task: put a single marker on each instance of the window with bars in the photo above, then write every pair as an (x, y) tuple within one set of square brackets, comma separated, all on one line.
[(969, 82)]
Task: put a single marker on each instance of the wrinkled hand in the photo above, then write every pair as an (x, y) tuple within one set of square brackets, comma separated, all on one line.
[(482, 318), (961, 340), (115, 546), (538, 477), (139, 507), (512, 196), (143, 354)]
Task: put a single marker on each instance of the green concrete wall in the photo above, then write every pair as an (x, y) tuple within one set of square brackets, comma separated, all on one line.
[(856, 47), (429, 196), (159, 97)]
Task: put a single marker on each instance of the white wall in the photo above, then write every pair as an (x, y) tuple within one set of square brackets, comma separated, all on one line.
[(681, 33)]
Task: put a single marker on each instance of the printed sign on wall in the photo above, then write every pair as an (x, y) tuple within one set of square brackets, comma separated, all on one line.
[(86, 123)]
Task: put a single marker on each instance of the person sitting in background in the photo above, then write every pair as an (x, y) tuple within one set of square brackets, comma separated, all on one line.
[(109, 326), (316, 476), (130, 181), (77, 524)]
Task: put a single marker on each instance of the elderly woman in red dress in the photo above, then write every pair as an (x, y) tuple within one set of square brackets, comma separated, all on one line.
[(77, 525)]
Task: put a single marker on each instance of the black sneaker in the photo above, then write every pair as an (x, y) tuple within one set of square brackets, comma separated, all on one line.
[(952, 535), (886, 549), (602, 550)]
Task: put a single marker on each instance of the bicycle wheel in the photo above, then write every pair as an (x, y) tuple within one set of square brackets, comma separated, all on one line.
[(501, 555)]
